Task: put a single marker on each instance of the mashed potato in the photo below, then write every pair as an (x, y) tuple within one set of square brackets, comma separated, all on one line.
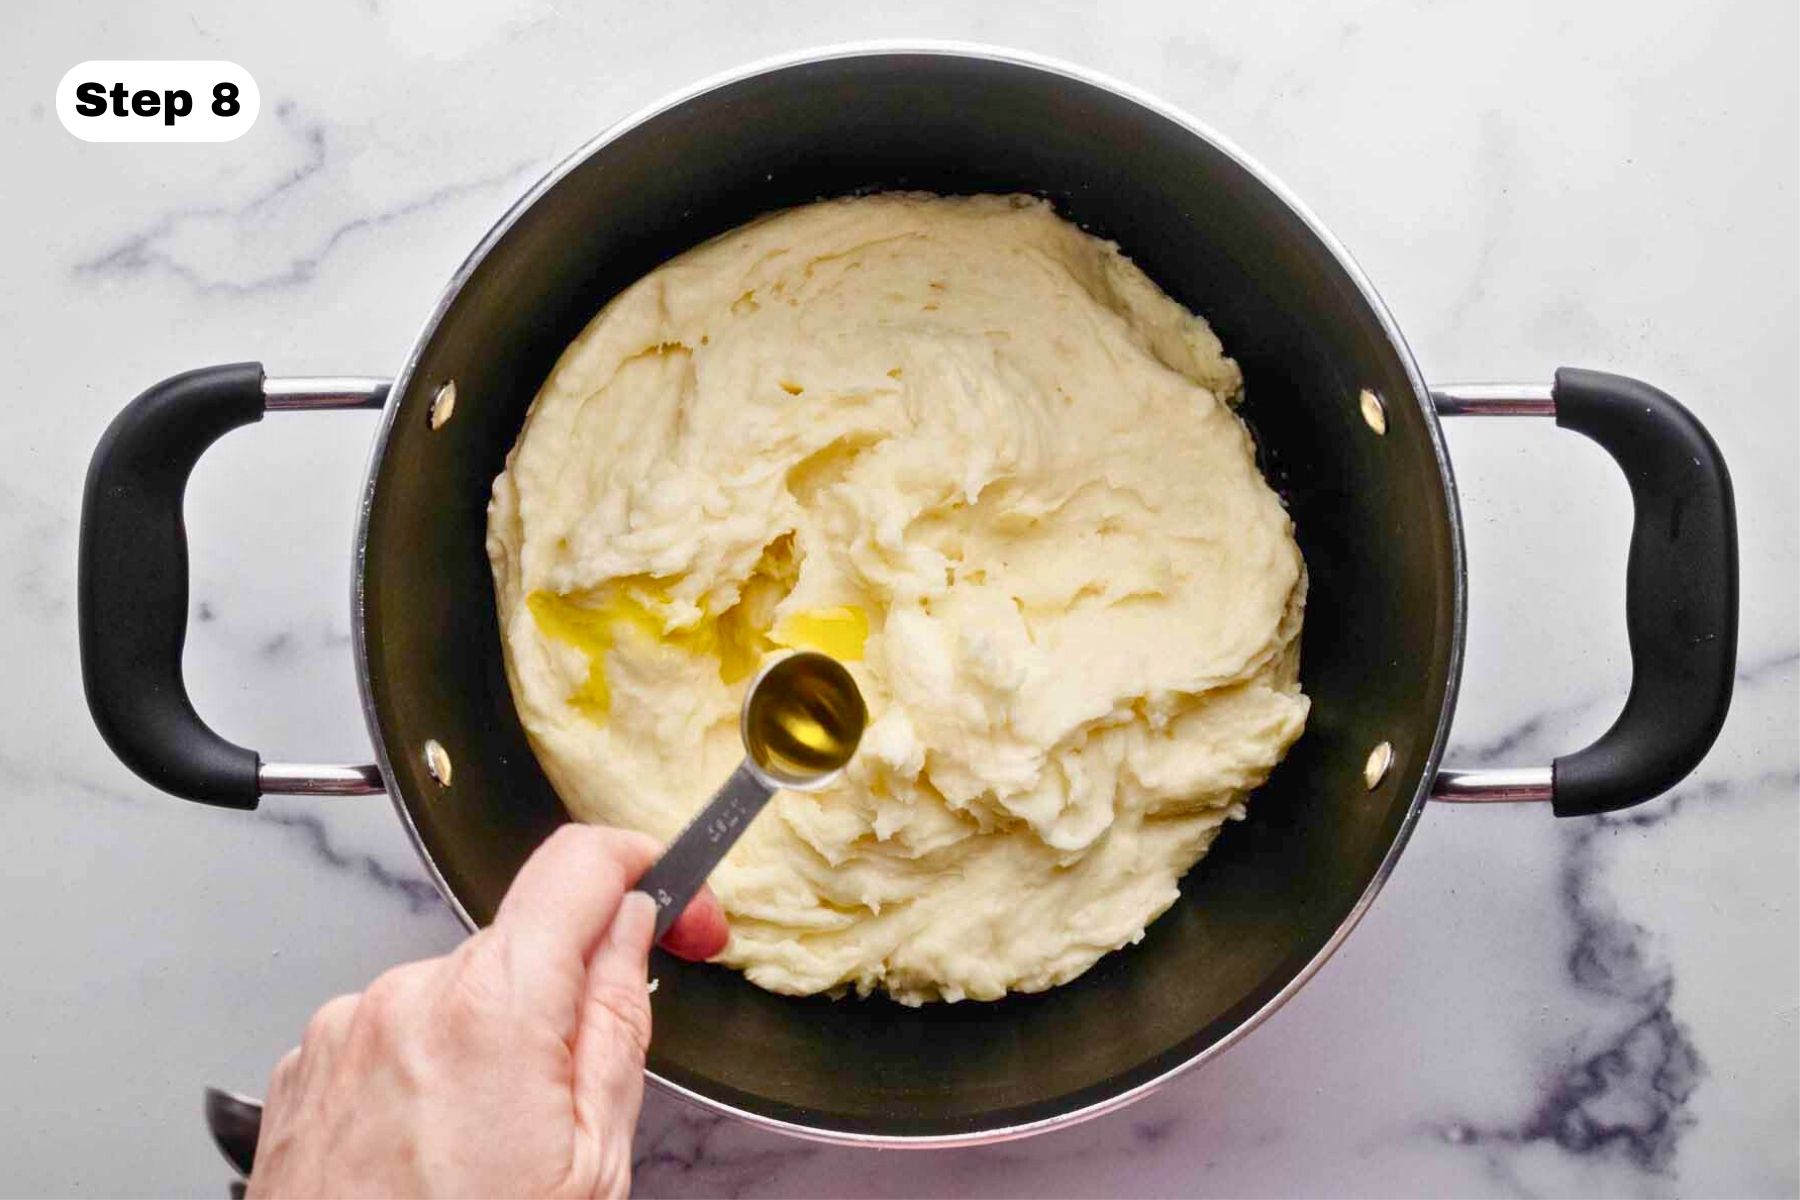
[(977, 455)]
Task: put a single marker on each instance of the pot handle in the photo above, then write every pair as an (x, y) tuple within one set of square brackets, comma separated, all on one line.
[(132, 584), (1681, 593)]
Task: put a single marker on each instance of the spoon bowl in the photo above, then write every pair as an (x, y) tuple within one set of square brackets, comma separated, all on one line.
[(802, 720)]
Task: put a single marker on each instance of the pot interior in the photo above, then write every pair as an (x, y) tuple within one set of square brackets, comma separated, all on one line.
[(1373, 514)]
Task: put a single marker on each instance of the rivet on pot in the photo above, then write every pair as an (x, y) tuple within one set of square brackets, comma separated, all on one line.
[(443, 406), (437, 761), (1376, 769), (1374, 413)]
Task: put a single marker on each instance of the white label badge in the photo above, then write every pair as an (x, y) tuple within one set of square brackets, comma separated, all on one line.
[(147, 101)]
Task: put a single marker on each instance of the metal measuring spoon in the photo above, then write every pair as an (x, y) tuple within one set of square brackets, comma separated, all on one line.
[(801, 722)]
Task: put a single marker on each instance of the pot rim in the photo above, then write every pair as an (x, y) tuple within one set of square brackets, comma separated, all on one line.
[(1022, 58)]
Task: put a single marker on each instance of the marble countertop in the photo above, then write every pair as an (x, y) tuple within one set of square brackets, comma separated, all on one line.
[(1532, 1007)]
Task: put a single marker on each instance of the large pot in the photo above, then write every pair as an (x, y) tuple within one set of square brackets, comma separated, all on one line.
[(1349, 435)]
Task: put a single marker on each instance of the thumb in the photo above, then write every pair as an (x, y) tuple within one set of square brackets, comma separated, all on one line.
[(615, 1023)]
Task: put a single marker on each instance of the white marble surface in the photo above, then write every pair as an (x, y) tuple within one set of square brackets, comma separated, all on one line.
[(1532, 1007)]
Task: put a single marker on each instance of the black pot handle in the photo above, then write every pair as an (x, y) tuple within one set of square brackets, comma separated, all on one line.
[(132, 580), (1681, 591)]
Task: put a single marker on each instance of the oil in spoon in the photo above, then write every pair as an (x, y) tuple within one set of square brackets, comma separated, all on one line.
[(803, 719)]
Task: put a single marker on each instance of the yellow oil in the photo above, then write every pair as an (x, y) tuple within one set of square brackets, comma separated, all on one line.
[(840, 632), (593, 627), (739, 638), (804, 719)]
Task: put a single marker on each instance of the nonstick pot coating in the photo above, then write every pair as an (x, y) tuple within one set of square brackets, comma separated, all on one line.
[(1374, 516)]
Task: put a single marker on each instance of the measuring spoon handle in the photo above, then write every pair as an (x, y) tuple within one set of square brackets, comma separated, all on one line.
[(691, 857)]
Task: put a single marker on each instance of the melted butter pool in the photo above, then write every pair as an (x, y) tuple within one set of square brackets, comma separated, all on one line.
[(738, 638)]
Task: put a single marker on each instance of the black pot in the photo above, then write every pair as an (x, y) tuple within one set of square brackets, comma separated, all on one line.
[(1349, 435)]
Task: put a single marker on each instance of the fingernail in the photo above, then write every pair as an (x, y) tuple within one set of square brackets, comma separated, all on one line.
[(636, 920), (644, 906)]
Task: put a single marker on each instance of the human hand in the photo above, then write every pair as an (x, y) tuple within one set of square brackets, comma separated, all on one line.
[(513, 1066)]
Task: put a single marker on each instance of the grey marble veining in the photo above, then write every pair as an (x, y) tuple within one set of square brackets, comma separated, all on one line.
[(1532, 1007), (158, 248)]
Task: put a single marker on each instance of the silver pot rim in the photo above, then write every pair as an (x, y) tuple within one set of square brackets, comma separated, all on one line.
[(861, 49)]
